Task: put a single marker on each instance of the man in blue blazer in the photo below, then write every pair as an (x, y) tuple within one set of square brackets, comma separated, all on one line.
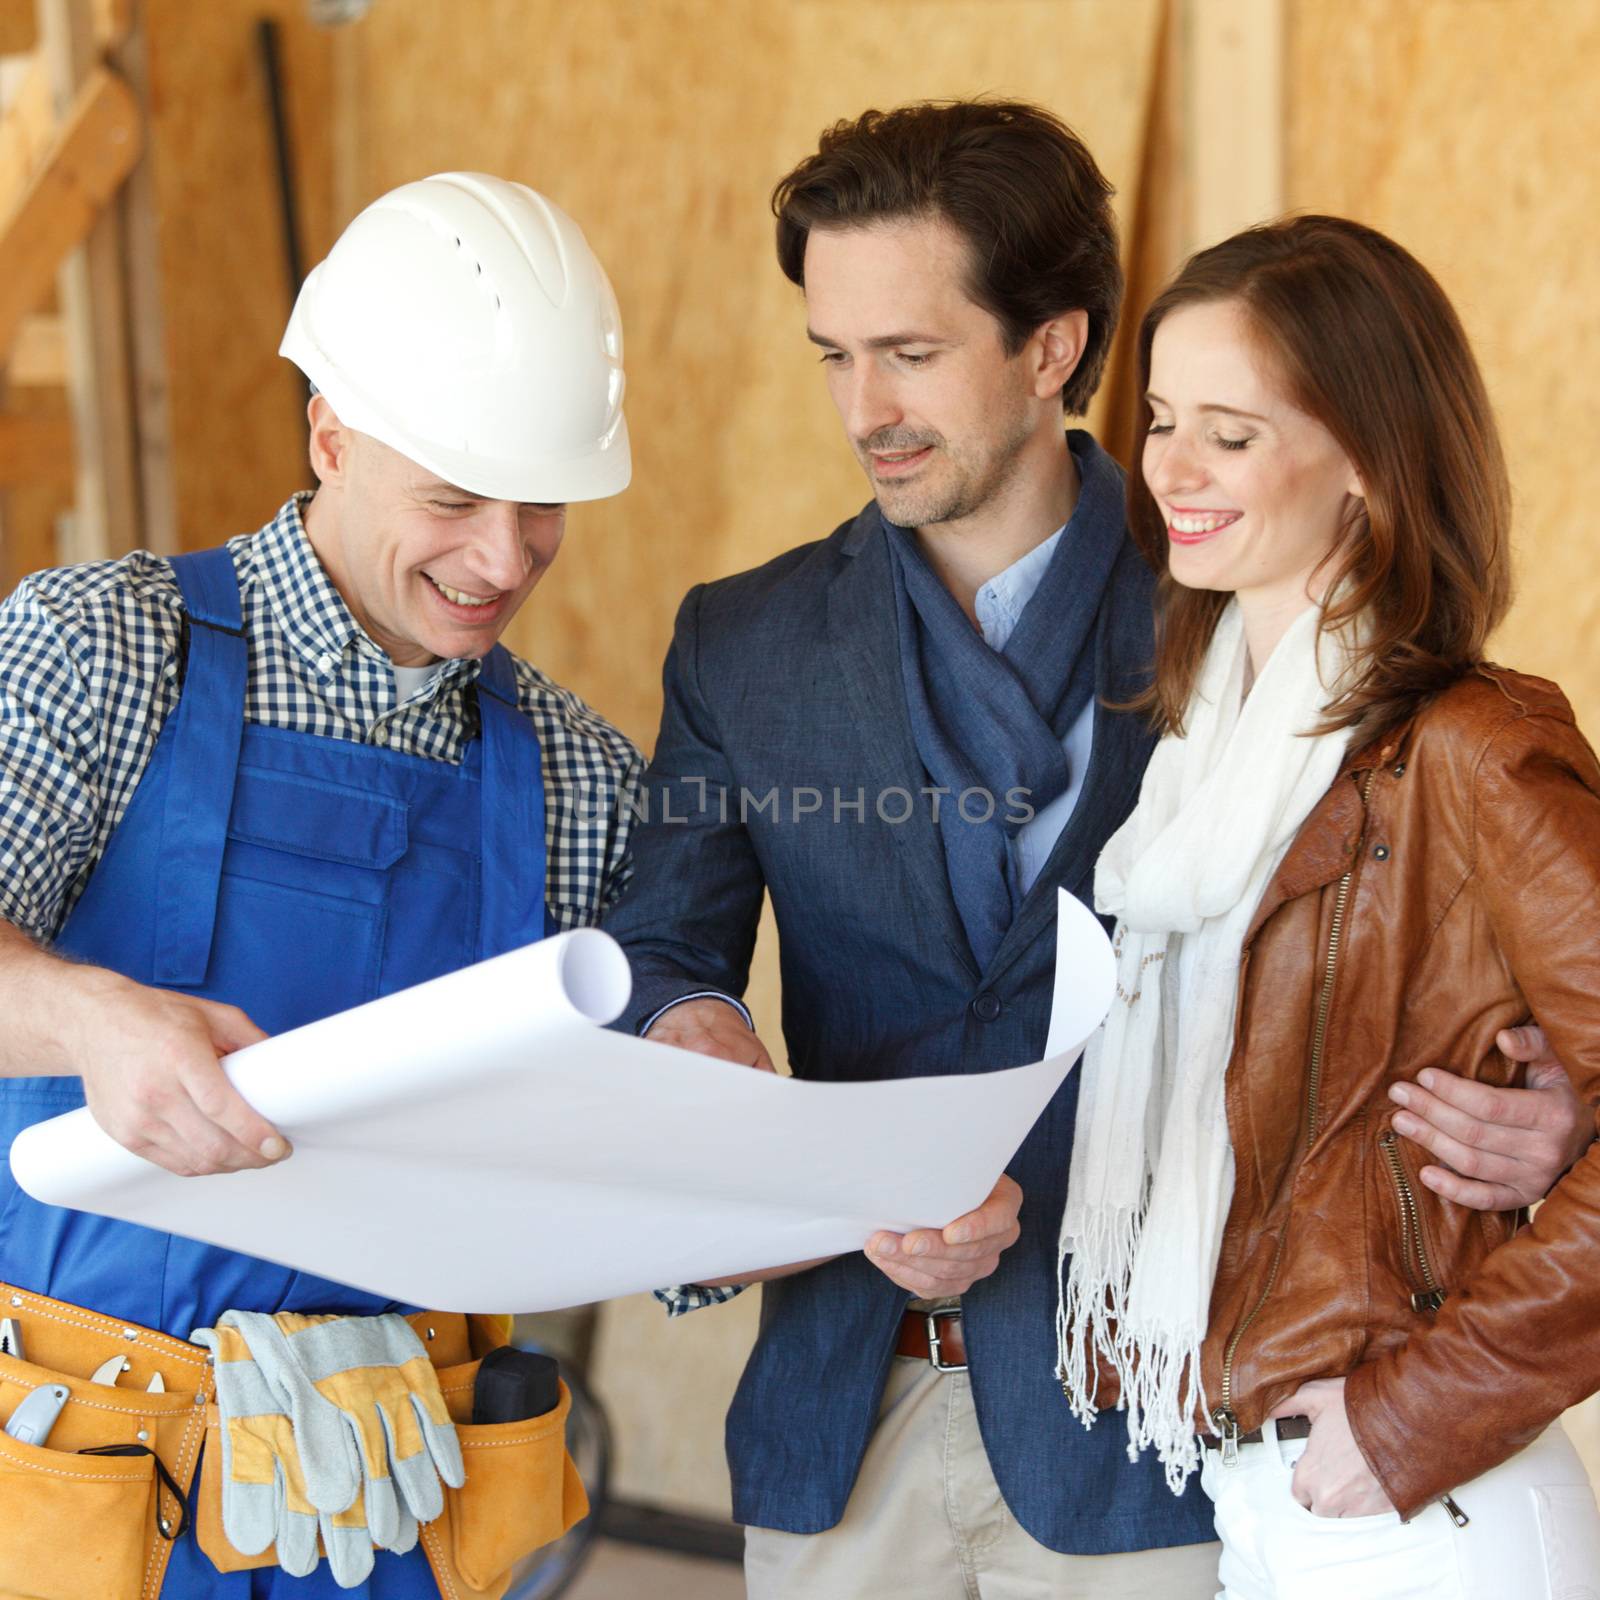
[(904, 734)]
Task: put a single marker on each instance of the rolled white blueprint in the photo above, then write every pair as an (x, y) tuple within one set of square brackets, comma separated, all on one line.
[(482, 1142)]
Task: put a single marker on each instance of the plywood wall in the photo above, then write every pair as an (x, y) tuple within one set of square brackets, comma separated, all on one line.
[(662, 127), (235, 410), (1462, 128)]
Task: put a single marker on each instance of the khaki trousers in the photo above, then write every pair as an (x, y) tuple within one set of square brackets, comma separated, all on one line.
[(926, 1521)]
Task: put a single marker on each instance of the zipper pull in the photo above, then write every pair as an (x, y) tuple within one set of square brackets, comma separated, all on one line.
[(1455, 1513), (1228, 1426), (1429, 1301)]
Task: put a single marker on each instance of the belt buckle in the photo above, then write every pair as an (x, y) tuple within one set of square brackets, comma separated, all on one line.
[(936, 1345)]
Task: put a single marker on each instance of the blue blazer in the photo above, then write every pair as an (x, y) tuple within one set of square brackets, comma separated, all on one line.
[(786, 765)]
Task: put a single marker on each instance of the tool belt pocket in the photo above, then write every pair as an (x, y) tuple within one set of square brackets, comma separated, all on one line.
[(91, 1511), (522, 1491), (73, 1525)]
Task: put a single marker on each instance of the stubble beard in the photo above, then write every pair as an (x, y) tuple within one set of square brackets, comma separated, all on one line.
[(968, 485)]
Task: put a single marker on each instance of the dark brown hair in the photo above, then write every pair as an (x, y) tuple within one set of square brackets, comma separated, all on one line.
[(1013, 180), (1364, 340)]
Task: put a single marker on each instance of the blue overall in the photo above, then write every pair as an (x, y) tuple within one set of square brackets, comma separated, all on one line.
[(291, 875)]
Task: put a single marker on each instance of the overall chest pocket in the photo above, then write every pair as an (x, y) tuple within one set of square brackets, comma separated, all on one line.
[(305, 885)]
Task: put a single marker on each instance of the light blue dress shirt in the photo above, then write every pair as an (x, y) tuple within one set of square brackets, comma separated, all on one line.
[(999, 606)]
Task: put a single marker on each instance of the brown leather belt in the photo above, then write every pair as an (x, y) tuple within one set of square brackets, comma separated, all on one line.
[(1288, 1428), (934, 1336)]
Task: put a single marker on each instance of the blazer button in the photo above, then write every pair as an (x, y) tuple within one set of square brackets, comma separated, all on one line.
[(987, 1007)]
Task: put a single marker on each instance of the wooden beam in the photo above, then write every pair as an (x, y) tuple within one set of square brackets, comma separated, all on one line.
[(39, 356), (19, 29), (143, 316), (1152, 239), (35, 450), (32, 513), (26, 130), (113, 22), (93, 152), (1236, 161), (92, 293)]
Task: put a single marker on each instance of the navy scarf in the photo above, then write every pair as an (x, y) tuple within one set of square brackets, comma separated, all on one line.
[(992, 721)]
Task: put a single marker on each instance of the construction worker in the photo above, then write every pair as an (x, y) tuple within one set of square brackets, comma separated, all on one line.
[(243, 789)]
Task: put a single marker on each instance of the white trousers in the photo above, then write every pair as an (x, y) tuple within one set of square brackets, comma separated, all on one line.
[(1533, 1534)]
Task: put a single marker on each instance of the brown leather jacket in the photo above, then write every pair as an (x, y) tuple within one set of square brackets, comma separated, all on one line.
[(1447, 886)]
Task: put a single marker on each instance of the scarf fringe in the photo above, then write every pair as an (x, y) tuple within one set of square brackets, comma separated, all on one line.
[(1087, 1315), (1158, 1372)]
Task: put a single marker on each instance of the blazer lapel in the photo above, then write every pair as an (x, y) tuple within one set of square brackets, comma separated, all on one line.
[(864, 636)]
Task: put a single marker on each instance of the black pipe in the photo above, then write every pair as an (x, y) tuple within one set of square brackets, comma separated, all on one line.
[(270, 46), (267, 38)]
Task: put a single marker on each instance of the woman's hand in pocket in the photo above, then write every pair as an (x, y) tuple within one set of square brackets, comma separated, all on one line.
[(1332, 1478)]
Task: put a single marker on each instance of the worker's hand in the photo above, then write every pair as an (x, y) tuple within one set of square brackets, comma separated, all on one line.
[(933, 1263), (711, 1028), (1332, 1478), (1499, 1148), (149, 1062)]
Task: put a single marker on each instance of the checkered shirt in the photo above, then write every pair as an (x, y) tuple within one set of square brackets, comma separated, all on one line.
[(683, 1298), (89, 672)]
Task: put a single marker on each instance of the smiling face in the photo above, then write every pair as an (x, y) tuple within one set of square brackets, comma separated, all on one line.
[(429, 570), (1254, 492), (938, 414)]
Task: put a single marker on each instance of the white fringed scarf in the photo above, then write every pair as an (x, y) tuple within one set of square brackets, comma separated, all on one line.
[(1152, 1166)]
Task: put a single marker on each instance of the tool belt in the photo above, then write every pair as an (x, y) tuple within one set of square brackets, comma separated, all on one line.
[(95, 1510)]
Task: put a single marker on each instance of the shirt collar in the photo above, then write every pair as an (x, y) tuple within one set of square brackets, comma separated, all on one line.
[(1001, 601), (310, 610)]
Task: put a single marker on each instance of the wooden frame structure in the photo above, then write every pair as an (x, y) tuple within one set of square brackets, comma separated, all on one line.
[(1201, 177), (71, 136)]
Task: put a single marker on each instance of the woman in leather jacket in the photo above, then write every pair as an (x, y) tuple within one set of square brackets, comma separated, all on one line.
[(1359, 852)]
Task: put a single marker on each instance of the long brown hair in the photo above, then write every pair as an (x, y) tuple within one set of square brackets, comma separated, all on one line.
[(1015, 181), (1366, 342)]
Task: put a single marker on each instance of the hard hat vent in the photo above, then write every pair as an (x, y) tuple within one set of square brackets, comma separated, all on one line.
[(530, 222)]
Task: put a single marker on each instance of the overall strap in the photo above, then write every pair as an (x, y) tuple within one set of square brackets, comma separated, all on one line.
[(513, 848), (205, 759)]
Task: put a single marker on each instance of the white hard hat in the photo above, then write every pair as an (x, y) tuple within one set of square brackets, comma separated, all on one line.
[(465, 322)]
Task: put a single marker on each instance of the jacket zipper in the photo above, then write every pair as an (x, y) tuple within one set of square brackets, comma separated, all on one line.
[(1223, 1417), (1414, 1249), (1413, 1246)]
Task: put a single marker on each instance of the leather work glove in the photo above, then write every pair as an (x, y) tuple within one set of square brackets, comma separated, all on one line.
[(264, 1499), (332, 1425)]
